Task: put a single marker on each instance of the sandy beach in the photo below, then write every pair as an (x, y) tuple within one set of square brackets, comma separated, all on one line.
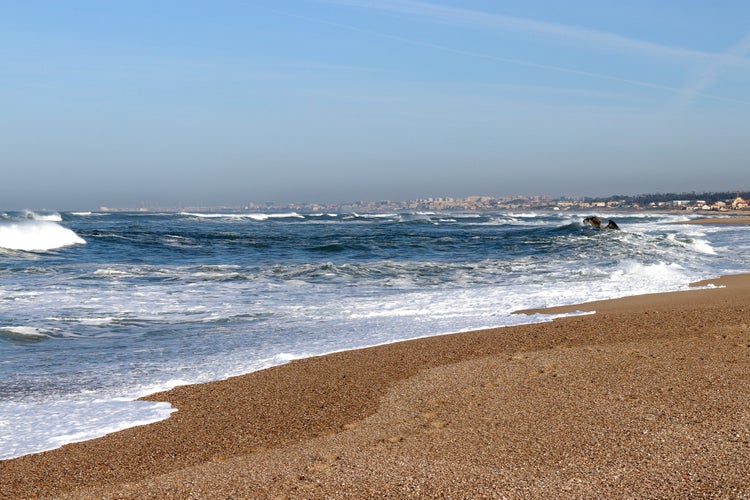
[(649, 397), (734, 220)]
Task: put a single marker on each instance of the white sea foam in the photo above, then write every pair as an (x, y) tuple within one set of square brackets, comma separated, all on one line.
[(36, 236), (703, 246), (524, 215), (693, 241), (374, 216), (253, 216), (112, 273), (289, 215), (20, 435), (212, 215), (224, 215), (27, 332), (91, 214), (51, 217), (661, 273)]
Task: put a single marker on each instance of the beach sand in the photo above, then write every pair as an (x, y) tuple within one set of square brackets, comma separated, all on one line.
[(732, 220), (649, 397)]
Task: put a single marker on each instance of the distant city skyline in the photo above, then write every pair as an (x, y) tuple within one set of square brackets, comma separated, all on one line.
[(331, 101), (736, 200)]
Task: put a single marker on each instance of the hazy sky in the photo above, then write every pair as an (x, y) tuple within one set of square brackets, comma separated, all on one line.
[(153, 102)]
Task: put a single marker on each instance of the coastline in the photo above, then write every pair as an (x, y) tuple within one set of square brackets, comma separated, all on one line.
[(729, 220), (649, 396)]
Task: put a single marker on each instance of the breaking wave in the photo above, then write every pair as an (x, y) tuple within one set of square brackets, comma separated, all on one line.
[(51, 216), (29, 215), (22, 332), (252, 216), (36, 235)]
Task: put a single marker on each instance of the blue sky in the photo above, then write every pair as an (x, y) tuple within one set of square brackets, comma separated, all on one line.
[(229, 102)]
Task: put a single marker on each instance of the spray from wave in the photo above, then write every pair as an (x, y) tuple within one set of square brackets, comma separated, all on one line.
[(36, 235), (30, 215), (48, 216)]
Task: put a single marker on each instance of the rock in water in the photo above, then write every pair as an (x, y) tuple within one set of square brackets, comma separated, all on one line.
[(612, 225), (597, 223), (593, 220)]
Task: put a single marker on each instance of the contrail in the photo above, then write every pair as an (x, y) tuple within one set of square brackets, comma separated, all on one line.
[(506, 60), (589, 37), (710, 74)]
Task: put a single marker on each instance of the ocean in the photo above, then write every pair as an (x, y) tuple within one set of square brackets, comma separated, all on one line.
[(98, 309)]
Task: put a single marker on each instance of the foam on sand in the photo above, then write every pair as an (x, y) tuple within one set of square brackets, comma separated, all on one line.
[(20, 435)]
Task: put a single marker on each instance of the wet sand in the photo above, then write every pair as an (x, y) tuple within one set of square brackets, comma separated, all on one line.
[(732, 220), (649, 397)]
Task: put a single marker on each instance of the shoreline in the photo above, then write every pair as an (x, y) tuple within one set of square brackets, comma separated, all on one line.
[(563, 311), (728, 220), (334, 423)]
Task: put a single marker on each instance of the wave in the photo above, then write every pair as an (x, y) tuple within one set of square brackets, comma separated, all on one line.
[(29, 215), (27, 333), (657, 272), (699, 245), (220, 216), (329, 248), (51, 217), (253, 216), (344, 217), (355, 215), (36, 236)]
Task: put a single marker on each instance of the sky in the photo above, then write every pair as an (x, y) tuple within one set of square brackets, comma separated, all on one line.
[(228, 102)]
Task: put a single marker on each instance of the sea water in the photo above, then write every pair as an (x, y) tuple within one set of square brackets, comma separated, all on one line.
[(98, 309)]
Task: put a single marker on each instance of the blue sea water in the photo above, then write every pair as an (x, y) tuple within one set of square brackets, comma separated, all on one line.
[(97, 309)]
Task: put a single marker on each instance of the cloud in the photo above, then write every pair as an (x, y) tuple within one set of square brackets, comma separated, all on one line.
[(584, 36)]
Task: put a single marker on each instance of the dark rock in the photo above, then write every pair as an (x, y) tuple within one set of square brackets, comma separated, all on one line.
[(597, 223), (612, 225), (594, 221)]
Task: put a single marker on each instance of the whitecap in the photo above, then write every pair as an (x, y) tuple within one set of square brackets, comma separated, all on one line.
[(50, 217), (289, 215), (211, 215), (702, 246), (22, 332), (699, 245), (110, 273), (253, 216), (660, 272), (36, 236)]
